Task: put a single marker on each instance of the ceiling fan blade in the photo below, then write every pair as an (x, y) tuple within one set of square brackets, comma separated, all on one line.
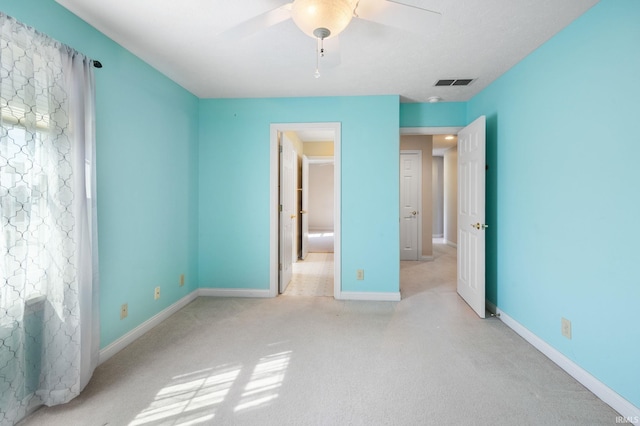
[(257, 23), (400, 15)]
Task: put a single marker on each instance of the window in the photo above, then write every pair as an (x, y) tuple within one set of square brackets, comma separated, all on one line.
[(25, 167)]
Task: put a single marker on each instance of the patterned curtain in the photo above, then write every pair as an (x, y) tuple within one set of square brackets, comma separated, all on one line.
[(49, 336)]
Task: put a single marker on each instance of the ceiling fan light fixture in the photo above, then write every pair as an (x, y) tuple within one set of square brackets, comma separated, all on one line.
[(332, 15)]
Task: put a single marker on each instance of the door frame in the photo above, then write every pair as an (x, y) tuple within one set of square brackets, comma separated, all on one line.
[(409, 131), (435, 131), (336, 127), (412, 131)]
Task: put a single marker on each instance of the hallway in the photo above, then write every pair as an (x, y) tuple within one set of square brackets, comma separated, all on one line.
[(312, 277)]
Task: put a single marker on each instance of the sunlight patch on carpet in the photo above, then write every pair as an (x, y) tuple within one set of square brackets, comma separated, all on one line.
[(191, 398), (265, 381)]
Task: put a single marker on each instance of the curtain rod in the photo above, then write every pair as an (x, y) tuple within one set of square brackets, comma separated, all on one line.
[(96, 64)]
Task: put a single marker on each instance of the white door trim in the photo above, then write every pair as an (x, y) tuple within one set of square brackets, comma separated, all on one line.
[(273, 208), (430, 130)]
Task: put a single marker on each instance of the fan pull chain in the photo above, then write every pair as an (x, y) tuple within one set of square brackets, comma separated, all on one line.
[(320, 33), (319, 54)]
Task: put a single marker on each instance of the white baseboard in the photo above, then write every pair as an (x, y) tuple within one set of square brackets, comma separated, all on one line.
[(602, 391), (426, 258), (124, 341), (449, 243), (233, 292), (370, 296)]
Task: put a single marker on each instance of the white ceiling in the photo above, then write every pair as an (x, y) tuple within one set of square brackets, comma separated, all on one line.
[(316, 135), (190, 42), (441, 144)]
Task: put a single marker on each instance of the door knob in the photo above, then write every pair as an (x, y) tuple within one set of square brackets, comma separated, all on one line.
[(293, 216), (479, 226), (303, 212), (414, 212)]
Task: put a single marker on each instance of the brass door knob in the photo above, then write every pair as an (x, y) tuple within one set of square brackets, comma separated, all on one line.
[(479, 226)]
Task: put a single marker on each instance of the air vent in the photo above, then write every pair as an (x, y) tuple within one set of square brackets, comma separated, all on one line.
[(454, 82)]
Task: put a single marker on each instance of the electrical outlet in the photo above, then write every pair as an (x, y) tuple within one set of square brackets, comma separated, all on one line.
[(566, 328), (156, 294), (360, 274), (181, 280), (124, 311)]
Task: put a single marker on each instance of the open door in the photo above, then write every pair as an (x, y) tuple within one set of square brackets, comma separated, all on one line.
[(305, 207), (471, 214), (288, 209)]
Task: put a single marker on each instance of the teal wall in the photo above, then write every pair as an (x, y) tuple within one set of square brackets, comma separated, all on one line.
[(234, 187), (441, 114), (563, 192), (147, 134)]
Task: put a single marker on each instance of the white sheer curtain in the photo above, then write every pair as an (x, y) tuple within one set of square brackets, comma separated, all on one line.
[(49, 331)]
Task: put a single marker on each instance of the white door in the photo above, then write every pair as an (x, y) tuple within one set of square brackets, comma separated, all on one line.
[(471, 215), (305, 206), (287, 211), (410, 202)]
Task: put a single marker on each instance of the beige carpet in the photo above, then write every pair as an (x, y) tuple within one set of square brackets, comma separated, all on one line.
[(426, 360)]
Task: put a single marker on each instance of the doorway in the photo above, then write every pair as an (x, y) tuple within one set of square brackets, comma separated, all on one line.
[(469, 214), (438, 177), (318, 200), (278, 241), (431, 142)]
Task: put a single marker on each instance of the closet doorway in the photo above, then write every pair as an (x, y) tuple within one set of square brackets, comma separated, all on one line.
[(305, 240)]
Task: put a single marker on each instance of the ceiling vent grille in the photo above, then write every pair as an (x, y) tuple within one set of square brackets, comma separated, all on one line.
[(454, 82)]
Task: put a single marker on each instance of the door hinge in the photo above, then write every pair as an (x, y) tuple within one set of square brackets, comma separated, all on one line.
[(280, 148), (280, 207), (279, 266)]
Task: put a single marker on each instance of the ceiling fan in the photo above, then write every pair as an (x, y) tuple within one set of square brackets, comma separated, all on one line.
[(325, 19)]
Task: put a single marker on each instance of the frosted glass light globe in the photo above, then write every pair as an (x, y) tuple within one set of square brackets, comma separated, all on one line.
[(333, 15)]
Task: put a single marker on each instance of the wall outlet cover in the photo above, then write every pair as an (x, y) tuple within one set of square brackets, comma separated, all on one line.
[(566, 328)]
